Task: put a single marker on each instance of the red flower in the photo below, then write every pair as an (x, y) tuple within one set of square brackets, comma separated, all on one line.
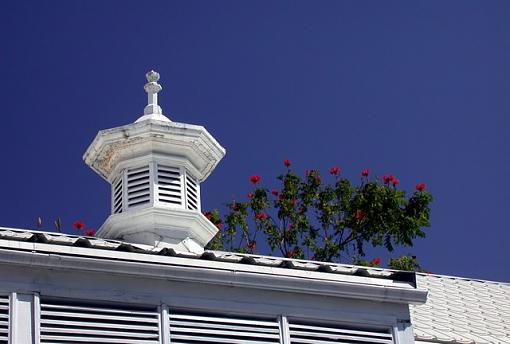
[(252, 245), (293, 201), (250, 195), (254, 179), (260, 216), (293, 253), (396, 181), (208, 214), (78, 224), (274, 192), (359, 214), (286, 162), (90, 232), (388, 179), (375, 261), (365, 172), (219, 225), (420, 186), (334, 170), (280, 197)]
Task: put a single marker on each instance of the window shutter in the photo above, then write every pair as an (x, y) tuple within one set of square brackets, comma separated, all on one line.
[(169, 185), (192, 193), (4, 319), (77, 322), (306, 333), (208, 329), (117, 196), (138, 186)]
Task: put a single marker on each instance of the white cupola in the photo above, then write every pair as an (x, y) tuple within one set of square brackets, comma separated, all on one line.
[(155, 167)]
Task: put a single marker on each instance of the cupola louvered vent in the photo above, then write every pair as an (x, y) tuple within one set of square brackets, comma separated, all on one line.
[(76, 322), (305, 333), (169, 185), (138, 186), (4, 319), (192, 193), (208, 329), (117, 196)]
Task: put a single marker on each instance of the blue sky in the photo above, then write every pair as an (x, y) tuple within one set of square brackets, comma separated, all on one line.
[(416, 89)]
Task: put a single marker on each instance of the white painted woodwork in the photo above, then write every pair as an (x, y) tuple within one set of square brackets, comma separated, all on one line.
[(164, 324), (302, 332), (210, 328), (73, 321), (22, 329), (284, 329), (155, 167), (4, 318), (211, 304), (403, 332)]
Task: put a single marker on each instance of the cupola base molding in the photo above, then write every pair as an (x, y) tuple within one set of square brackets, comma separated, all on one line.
[(181, 230)]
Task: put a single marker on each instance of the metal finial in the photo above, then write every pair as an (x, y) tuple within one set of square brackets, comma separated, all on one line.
[(152, 76), (152, 88)]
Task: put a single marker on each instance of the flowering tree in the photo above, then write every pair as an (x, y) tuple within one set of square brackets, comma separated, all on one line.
[(307, 218)]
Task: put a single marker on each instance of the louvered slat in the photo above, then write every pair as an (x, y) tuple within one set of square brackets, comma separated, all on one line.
[(76, 322), (169, 185), (138, 186), (4, 319), (117, 196), (191, 328), (192, 193), (305, 333)]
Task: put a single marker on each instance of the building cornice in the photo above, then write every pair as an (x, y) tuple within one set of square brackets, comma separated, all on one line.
[(83, 260)]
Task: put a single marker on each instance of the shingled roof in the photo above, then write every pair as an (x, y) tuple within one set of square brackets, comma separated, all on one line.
[(462, 311)]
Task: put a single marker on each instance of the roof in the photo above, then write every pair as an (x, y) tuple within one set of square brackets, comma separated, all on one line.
[(460, 310), (73, 253), (62, 239), (457, 310)]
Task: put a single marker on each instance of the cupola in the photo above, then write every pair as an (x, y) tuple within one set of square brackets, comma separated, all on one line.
[(155, 167)]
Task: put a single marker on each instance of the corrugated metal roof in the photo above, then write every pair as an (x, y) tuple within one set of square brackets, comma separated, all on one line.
[(460, 310), (229, 257)]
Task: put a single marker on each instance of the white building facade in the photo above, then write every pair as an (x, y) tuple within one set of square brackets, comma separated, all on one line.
[(146, 278), (58, 288)]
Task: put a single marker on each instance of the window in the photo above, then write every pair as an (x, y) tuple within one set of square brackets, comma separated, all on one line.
[(213, 328), (65, 321), (4, 319), (301, 332)]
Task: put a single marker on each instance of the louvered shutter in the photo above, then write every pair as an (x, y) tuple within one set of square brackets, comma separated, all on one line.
[(4, 319), (317, 334), (117, 197), (192, 194), (208, 329), (76, 322), (169, 185), (138, 186)]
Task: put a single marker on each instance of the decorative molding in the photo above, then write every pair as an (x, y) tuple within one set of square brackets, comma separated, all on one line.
[(218, 273)]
